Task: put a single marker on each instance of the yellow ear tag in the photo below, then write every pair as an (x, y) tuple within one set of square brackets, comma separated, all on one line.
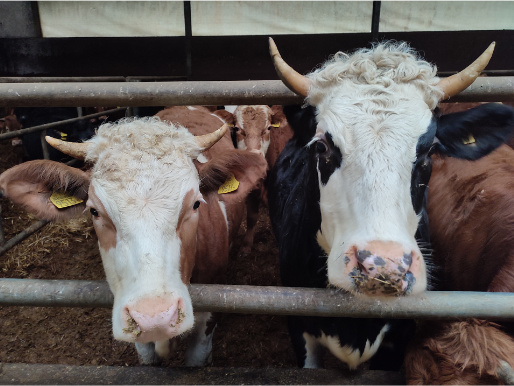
[(63, 200), (229, 185), (275, 124), (469, 140)]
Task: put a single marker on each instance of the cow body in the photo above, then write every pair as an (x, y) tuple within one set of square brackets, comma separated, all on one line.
[(347, 195), (472, 228), (153, 210)]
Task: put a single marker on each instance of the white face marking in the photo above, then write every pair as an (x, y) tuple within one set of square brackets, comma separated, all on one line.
[(368, 198), (142, 192), (253, 124)]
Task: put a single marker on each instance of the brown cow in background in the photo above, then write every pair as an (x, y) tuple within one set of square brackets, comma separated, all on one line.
[(471, 212), (264, 129)]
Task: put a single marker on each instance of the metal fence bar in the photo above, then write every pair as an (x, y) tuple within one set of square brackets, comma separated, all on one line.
[(34, 129), (70, 79), (484, 89), (22, 235), (2, 235), (272, 300)]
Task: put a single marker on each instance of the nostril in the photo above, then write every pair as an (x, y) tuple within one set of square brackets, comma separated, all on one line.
[(362, 255), (407, 259)]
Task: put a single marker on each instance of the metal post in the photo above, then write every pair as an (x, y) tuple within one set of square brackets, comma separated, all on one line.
[(44, 145), (375, 20), (2, 235)]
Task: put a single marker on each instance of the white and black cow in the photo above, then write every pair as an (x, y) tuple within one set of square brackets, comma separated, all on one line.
[(347, 195)]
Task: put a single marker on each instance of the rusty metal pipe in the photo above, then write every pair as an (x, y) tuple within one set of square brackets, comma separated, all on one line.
[(485, 89), (12, 134), (271, 300)]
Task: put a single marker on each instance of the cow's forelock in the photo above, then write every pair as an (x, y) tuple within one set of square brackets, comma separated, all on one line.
[(377, 69)]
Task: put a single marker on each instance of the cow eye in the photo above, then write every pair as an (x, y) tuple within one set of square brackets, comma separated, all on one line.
[(321, 147), (196, 205), (269, 128), (94, 212)]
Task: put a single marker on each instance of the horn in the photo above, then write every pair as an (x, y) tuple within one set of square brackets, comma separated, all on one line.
[(296, 82), (459, 82), (74, 149), (207, 140)]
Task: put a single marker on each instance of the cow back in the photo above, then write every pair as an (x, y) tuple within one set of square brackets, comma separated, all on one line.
[(471, 221)]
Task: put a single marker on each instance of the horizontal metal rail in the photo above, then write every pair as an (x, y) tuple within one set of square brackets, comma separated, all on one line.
[(68, 79), (34, 129), (484, 89), (272, 300)]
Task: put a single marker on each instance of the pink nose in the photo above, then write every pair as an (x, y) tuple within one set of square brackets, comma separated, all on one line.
[(383, 267), (154, 319)]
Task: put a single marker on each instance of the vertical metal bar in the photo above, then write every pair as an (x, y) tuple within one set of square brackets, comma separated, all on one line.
[(2, 235), (44, 145), (189, 34), (80, 113), (375, 20)]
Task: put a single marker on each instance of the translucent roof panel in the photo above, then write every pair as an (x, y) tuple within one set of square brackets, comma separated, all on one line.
[(111, 18), (222, 18), (397, 16)]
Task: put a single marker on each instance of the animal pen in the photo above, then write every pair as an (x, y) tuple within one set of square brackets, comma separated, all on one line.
[(114, 90)]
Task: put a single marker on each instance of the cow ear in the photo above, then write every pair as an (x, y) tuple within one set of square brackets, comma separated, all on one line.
[(49, 190), (475, 133)]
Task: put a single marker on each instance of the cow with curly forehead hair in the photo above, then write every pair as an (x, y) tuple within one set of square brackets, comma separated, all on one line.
[(347, 196)]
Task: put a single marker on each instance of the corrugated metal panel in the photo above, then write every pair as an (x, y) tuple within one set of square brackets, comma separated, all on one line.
[(398, 16), (111, 18)]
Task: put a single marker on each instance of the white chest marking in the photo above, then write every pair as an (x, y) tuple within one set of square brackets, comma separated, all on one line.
[(347, 354)]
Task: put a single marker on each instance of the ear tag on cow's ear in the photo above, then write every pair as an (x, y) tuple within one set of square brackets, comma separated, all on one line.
[(64, 136), (275, 125), (63, 200), (470, 140), (230, 185)]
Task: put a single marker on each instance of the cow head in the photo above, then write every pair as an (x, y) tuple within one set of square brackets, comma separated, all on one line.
[(375, 129), (252, 127), (143, 194)]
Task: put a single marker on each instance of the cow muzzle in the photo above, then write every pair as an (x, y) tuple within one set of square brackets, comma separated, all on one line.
[(382, 268), (151, 320)]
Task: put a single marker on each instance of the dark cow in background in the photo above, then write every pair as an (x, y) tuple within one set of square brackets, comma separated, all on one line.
[(34, 116), (347, 195), (160, 220), (263, 129), (471, 212)]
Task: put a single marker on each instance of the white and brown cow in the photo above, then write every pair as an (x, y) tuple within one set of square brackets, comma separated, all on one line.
[(159, 219), (263, 129)]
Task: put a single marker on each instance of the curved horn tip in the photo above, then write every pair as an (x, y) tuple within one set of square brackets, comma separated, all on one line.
[(273, 50), (73, 149)]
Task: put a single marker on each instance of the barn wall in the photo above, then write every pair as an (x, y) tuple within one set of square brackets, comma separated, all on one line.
[(231, 57)]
